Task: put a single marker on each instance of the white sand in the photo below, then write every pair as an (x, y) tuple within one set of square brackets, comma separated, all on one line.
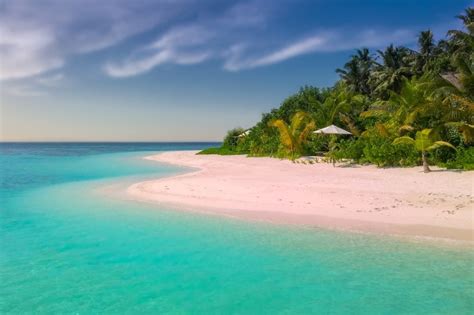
[(396, 200)]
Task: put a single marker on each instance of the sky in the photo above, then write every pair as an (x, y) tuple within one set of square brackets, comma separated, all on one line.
[(182, 70)]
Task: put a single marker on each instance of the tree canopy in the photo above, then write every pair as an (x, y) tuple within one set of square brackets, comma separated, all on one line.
[(383, 95)]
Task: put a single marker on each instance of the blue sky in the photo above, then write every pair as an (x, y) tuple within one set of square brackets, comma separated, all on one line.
[(183, 70)]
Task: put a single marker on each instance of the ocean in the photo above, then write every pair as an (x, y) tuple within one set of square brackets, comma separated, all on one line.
[(70, 246)]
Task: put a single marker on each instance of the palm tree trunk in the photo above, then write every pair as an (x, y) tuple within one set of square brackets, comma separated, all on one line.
[(426, 167)]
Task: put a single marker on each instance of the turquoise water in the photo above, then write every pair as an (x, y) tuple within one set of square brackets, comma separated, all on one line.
[(66, 247)]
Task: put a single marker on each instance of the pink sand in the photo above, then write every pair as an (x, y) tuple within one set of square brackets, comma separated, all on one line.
[(395, 200)]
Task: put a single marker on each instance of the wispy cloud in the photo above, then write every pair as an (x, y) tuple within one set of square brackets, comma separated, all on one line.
[(22, 90), (238, 38), (34, 86), (241, 56), (38, 36), (194, 42), (50, 80), (26, 52), (237, 57), (182, 45)]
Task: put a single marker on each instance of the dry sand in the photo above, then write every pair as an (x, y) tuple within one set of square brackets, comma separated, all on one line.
[(402, 201)]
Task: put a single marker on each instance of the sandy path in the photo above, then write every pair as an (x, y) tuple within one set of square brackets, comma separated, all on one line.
[(397, 200)]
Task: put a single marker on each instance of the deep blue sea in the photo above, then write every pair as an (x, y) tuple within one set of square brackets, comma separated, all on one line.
[(67, 247)]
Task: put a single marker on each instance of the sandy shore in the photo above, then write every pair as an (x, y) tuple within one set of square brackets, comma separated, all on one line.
[(402, 201)]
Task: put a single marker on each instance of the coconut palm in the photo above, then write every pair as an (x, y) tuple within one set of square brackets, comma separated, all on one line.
[(294, 135), (389, 75), (402, 110), (427, 51), (424, 143), (461, 40), (356, 72), (457, 97)]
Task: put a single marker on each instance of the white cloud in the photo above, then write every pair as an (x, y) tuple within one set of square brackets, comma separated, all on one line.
[(39, 36), (35, 86), (25, 52), (235, 62), (22, 90), (328, 41), (175, 46), (50, 80)]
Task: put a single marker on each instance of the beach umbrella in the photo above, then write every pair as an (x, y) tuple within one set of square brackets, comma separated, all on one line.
[(332, 130), (244, 134)]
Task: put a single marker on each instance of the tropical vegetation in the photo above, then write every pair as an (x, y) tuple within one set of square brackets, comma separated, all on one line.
[(396, 102)]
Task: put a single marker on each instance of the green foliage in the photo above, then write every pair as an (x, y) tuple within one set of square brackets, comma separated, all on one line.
[(219, 151), (293, 135), (396, 102), (423, 141), (464, 159), (381, 152), (232, 138)]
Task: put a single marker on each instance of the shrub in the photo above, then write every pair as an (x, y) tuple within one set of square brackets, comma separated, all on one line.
[(220, 151), (464, 159), (382, 152), (231, 140), (350, 149)]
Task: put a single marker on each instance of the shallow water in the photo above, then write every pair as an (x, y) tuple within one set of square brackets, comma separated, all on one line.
[(67, 248)]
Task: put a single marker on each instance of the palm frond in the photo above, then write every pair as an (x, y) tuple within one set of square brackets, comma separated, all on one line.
[(440, 144), (285, 134), (350, 124), (298, 119), (382, 130), (404, 140), (373, 113), (306, 132), (405, 128)]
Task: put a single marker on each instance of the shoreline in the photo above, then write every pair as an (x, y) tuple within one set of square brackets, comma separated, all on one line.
[(401, 202)]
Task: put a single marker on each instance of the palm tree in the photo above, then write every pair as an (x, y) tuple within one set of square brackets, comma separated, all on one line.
[(401, 112), (457, 97), (427, 51), (293, 135), (424, 143), (356, 72), (426, 43), (389, 75), (464, 41)]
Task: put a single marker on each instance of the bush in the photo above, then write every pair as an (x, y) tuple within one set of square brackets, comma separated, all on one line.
[(219, 151), (350, 149), (376, 150), (231, 140), (464, 159), (382, 152)]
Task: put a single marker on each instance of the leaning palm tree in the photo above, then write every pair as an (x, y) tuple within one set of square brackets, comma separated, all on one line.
[(424, 143), (293, 135)]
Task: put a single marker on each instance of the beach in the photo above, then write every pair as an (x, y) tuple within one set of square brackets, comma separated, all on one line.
[(399, 201)]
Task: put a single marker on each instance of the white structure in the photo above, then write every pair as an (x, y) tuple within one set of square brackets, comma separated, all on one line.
[(243, 134), (333, 130)]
